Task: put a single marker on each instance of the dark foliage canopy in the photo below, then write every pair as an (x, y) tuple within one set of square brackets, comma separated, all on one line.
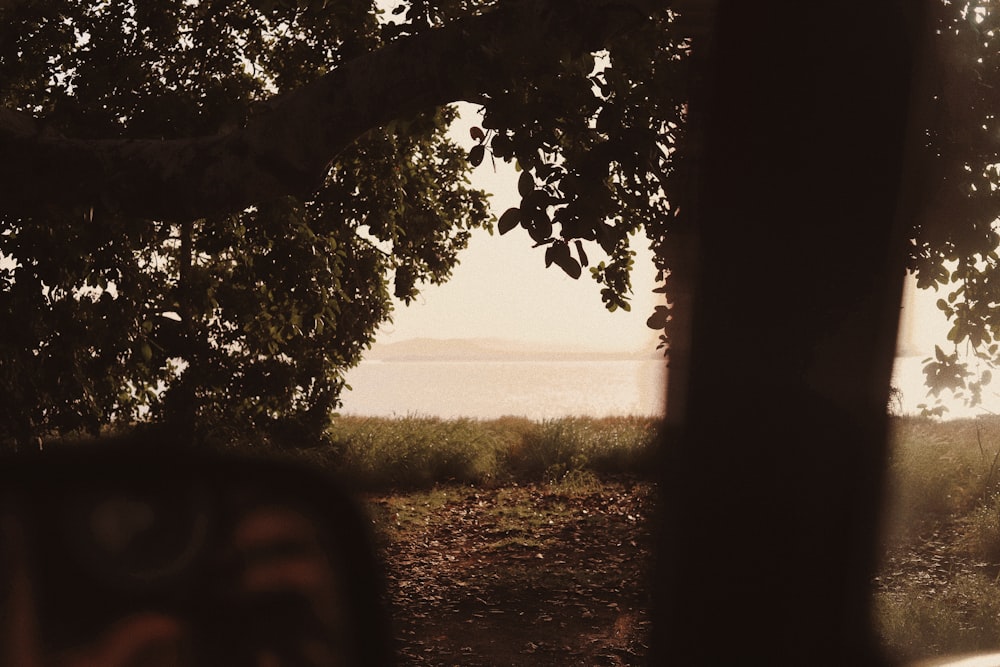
[(206, 205)]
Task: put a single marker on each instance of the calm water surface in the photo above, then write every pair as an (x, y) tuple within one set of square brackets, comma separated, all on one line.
[(491, 389), (551, 389)]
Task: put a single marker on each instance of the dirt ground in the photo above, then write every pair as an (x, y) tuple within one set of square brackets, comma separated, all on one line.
[(518, 575)]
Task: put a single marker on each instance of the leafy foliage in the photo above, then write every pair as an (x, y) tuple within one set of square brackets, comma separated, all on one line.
[(955, 237), (235, 325), (244, 323), (597, 147), (241, 326)]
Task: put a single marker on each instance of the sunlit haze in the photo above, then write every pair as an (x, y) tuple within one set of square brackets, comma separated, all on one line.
[(922, 326), (502, 289)]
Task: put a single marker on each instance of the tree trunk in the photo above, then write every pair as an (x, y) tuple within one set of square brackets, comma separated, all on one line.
[(776, 434)]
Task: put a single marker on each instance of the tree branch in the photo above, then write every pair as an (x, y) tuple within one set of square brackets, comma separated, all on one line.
[(288, 148)]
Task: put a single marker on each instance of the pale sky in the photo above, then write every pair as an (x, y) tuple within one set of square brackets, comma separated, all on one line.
[(922, 326), (502, 289)]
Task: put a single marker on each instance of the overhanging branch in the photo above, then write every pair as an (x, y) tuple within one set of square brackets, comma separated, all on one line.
[(287, 149)]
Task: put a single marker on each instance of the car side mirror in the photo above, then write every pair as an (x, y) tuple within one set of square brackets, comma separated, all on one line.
[(121, 556)]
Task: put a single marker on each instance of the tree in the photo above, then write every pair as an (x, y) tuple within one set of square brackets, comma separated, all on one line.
[(815, 87), (955, 237), (203, 201)]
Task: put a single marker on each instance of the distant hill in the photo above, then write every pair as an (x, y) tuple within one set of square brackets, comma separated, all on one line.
[(495, 349)]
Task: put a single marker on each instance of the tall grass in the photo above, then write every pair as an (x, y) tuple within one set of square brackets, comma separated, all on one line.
[(939, 470), (961, 617), (553, 449), (416, 452), (943, 509)]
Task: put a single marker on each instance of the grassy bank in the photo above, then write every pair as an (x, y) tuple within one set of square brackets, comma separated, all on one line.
[(938, 590), (535, 534), (418, 452)]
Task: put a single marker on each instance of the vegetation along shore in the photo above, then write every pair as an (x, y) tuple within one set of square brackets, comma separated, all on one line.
[(539, 531)]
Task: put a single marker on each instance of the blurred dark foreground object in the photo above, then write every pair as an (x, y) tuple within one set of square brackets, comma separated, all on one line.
[(115, 556)]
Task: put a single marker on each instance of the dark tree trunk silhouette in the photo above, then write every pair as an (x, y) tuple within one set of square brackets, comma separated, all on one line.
[(777, 414)]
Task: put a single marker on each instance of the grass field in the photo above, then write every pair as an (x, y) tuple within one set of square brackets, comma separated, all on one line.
[(552, 507), (419, 452), (938, 590), (508, 541)]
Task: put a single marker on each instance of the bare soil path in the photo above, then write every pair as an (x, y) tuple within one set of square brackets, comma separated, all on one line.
[(519, 575)]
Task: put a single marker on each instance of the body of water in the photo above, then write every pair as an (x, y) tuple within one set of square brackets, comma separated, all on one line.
[(552, 389), (491, 389)]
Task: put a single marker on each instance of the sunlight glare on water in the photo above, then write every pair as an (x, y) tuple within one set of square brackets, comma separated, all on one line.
[(492, 389)]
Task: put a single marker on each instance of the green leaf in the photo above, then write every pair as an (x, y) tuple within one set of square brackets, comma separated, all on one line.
[(540, 228), (477, 154), (561, 257), (477, 133), (571, 267), (659, 318), (607, 236), (502, 146), (510, 219), (609, 118), (525, 184)]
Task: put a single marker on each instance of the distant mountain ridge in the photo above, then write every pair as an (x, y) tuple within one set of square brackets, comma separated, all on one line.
[(496, 349)]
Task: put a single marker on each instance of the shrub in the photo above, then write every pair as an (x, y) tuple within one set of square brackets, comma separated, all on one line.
[(413, 451)]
